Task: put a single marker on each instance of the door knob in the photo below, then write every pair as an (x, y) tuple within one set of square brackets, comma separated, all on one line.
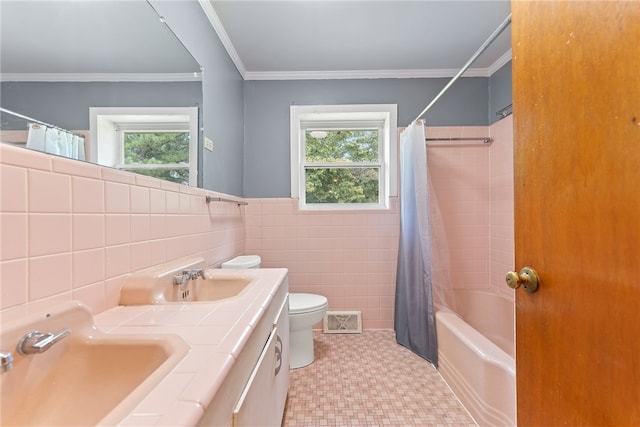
[(527, 277)]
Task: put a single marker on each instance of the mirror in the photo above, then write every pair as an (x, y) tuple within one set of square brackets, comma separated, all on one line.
[(61, 58)]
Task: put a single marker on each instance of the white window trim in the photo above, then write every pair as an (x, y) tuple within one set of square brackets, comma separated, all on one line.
[(343, 116), (114, 112)]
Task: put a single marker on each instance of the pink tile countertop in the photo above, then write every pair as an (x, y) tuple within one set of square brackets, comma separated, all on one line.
[(216, 333)]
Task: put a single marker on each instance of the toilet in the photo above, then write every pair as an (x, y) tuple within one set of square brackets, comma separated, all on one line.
[(305, 310)]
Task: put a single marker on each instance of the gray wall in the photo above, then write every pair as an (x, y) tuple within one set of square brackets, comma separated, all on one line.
[(266, 114), (222, 88), (499, 91), (67, 104)]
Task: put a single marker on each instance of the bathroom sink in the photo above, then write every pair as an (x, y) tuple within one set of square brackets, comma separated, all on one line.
[(218, 286), (86, 378), (156, 285)]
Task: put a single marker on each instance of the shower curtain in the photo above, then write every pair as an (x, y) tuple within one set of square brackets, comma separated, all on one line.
[(414, 309)]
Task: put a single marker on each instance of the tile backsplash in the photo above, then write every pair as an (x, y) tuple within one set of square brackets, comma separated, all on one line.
[(75, 231)]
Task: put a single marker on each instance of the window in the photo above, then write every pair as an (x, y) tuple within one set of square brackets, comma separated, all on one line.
[(155, 150), (343, 156), (161, 142)]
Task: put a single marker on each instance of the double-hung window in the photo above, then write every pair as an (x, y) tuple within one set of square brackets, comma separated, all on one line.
[(343, 156)]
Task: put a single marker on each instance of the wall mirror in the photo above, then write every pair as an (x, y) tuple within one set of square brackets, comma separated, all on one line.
[(60, 59)]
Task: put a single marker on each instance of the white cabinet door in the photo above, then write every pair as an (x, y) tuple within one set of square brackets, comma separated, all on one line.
[(256, 406), (263, 399), (282, 358)]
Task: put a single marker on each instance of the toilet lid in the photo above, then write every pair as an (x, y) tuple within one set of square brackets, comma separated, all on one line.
[(305, 303)]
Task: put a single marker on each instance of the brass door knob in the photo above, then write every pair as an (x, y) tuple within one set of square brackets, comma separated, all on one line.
[(527, 277)]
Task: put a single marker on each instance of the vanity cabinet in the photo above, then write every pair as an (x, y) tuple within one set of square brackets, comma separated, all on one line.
[(255, 389), (263, 397)]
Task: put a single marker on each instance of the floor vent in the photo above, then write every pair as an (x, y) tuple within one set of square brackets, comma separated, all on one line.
[(342, 322)]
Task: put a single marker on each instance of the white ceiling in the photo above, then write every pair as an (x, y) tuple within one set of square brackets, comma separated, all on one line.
[(356, 38), (49, 39)]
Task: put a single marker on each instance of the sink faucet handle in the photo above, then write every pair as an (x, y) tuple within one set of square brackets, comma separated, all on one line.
[(181, 280), (38, 342), (194, 273), (6, 361), (199, 272)]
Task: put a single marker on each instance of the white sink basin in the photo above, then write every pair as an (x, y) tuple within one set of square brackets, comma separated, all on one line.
[(86, 378)]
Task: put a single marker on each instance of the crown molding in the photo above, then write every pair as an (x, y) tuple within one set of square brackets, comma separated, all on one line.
[(100, 77), (500, 62), (215, 22), (364, 74)]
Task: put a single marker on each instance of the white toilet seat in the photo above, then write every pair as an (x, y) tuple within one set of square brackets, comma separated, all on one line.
[(306, 303)]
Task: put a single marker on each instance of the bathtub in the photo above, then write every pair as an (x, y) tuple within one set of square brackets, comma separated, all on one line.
[(476, 355)]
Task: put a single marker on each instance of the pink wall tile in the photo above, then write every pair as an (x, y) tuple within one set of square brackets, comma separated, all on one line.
[(49, 192), (116, 198), (88, 267), (140, 255), (114, 175), (140, 228), (49, 275), (16, 156), (157, 252), (139, 200), (78, 231), (118, 260), (117, 229), (157, 201), (49, 234), (88, 231), (14, 232), (14, 288), (88, 195), (157, 226), (74, 167), (13, 189), (502, 209)]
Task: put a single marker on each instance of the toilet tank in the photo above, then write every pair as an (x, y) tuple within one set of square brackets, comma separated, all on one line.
[(244, 261)]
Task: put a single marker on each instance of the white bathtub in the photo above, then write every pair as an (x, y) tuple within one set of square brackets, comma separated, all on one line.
[(475, 355)]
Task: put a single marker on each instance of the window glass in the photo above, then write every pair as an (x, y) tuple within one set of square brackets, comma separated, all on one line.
[(342, 185), (156, 147), (341, 145)]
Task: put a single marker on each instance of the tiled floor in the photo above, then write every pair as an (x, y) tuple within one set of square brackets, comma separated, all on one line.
[(369, 380)]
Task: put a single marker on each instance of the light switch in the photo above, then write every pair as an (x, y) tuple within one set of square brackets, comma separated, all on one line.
[(208, 144)]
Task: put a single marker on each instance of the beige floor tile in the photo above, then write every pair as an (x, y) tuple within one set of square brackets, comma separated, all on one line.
[(369, 380)]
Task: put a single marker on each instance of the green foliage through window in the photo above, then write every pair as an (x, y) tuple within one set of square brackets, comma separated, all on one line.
[(332, 173), (156, 147), (168, 150)]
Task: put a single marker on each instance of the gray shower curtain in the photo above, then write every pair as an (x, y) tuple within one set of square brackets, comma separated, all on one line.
[(414, 310)]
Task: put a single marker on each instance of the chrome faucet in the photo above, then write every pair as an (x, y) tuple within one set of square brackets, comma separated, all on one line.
[(195, 273), (39, 342), (6, 361), (182, 279)]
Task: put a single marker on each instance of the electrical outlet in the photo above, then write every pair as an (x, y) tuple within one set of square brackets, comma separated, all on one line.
[(208, 144)]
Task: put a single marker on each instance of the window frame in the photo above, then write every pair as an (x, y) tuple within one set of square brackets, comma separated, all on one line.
[(349, 117), (149, 117)]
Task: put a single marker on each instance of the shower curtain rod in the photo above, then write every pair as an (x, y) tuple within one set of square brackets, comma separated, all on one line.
[(31, 119), (471, 60)]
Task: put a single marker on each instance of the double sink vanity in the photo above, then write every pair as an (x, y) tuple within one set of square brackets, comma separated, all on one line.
[(187, 346)]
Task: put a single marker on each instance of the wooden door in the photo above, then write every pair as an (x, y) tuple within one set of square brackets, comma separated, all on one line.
[(576, 102)]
